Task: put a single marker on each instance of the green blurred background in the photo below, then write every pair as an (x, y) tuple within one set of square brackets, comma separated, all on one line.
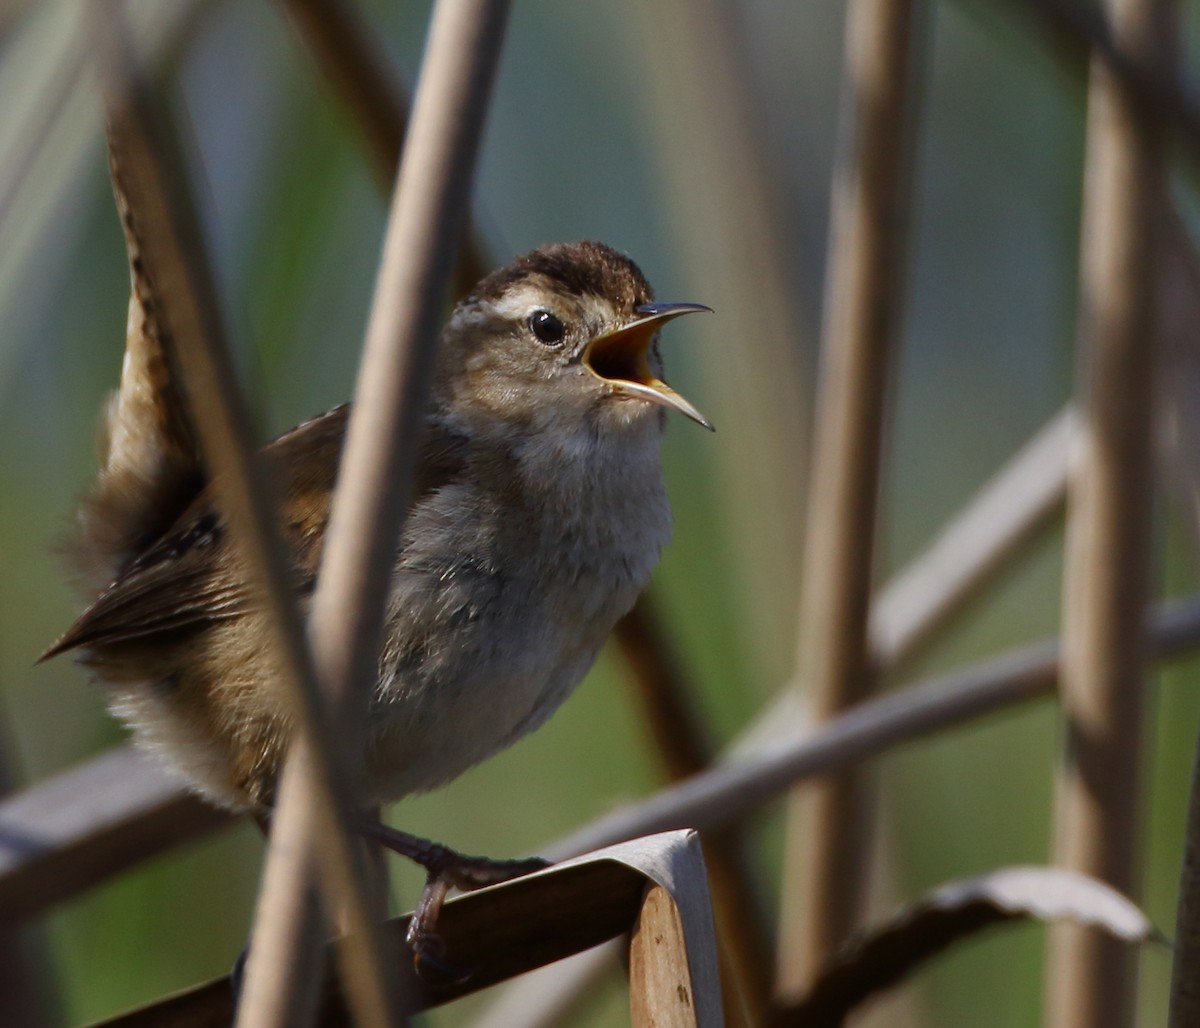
[(707, 156)]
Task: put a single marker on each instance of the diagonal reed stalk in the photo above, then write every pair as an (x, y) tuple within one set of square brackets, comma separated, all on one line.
[(379, 459), (166, 243)]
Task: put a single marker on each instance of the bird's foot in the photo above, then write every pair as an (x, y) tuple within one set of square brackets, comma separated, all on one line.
[(428, 948), (446, 869)]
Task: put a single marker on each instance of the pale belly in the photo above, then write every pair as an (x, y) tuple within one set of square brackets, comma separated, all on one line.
[(484, 648), (491, 678)]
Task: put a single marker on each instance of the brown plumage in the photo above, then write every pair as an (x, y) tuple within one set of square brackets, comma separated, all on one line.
[(538, 515)]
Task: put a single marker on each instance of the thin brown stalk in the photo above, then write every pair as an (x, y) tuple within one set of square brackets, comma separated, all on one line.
[(1011, 508), (165, 239), (52, 833), (24, 957), (344, 48), (824, 879), (1179, 284), (517, 927), (1086, 32), (375, 481), (728, 792), (284, 963), (665, 697), (73, 830), (357, 67), (379, 460), (668, 707), (553, 995), (1106, 584), (1185, 981)]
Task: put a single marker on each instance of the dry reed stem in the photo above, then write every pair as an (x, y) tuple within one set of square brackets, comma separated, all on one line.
[(1180, 382), (80, 827), (1185, 976), (345, 51), (1106, 579), (379, 460), (662, 989), (1088, 33), (517, 927), (59, 811), (824, 876), (358, 69), (667, 698), (166, 242), (1011, 508), (728, 792), (668, 707), (25, 966), (554, 994), (284, 963)]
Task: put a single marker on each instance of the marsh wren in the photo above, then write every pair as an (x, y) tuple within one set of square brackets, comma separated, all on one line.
[(539, 512)]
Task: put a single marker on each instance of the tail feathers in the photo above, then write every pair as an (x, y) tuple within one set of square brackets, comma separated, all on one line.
[(149, 464)]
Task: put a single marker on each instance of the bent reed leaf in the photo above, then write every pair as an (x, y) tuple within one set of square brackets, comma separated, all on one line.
[(879, 959)]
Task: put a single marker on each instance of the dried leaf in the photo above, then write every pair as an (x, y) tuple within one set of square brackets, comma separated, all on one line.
[(951, 913)]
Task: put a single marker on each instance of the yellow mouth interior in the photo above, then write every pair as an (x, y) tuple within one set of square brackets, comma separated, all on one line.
[(622, 357)]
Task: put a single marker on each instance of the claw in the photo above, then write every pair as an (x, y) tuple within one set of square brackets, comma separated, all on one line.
[(430, 963), (446, 869), (428, 948)]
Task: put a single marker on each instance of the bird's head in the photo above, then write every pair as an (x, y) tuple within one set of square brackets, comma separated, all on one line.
[(563, 336)]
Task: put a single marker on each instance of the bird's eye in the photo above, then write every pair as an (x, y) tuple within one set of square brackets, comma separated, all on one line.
[(546, 327)]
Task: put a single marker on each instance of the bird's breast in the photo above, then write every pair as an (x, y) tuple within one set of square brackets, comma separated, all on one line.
[(506, 592)]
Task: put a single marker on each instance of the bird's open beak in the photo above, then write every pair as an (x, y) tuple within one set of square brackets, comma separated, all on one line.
[(620, 358)]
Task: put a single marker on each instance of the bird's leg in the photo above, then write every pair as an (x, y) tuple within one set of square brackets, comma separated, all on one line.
[(458, 869), (446, 869)]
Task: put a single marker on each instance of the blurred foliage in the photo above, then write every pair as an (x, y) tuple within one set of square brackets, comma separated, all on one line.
[(578, 145)]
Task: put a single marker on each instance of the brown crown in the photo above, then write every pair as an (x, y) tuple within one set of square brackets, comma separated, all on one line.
[(585, 269)]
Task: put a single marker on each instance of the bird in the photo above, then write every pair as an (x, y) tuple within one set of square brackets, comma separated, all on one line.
[(539, 512)]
